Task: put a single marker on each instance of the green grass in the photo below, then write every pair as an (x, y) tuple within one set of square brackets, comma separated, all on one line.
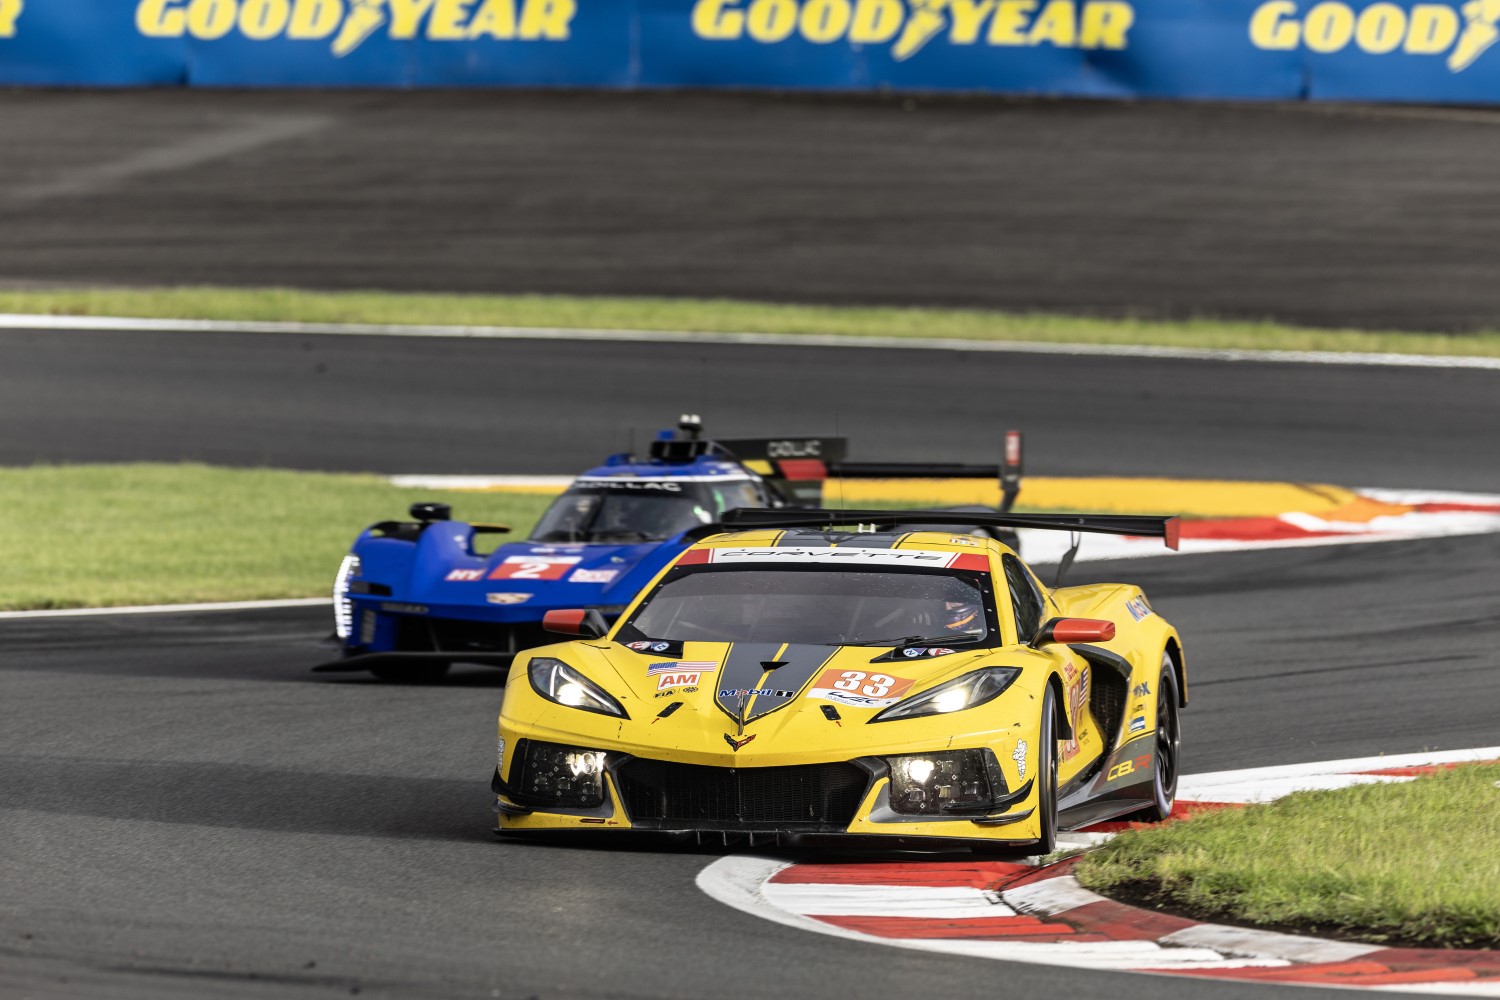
[(109, 535), (721, 315), (102, 535), (1412, 864)]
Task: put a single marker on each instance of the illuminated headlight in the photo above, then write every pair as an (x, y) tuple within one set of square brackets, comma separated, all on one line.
[(556, 775), (952, 782), (560, 683), (343, 608), (952, 696)]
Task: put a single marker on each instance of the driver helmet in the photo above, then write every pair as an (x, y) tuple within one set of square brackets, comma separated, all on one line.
[(960, 615)]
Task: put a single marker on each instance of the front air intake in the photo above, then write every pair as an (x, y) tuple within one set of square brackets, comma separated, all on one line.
[(810, 798)]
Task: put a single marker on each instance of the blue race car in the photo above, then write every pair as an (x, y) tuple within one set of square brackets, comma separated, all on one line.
[(414, 597)]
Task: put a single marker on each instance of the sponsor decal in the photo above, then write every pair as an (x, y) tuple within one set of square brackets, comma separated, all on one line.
[(907, 26), (1128, 767), (593, 575), (680, 673), (1138, 608), (659, 485), (699, 665), (534, 567), (1019, 756), (915, 651), (1461, 32), (690, 689), (690, 678), (962, 540), (507, 598), (807, 448), (10, 12), (347, 24), (1078, 696), (404, 609), (464, 575), (649, 646), (735, 744), (1138, 724), (1141, 690), (752, 692), (859, 688), (852, 557)]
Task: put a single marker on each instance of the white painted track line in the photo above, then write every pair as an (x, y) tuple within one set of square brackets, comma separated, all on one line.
[(125, 324), (163, 609)]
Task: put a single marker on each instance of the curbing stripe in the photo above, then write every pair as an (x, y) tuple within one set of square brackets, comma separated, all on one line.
[(125, 324), (1059, 922)]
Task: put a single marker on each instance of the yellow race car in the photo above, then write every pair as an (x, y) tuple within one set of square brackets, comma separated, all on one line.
[(789, 681)]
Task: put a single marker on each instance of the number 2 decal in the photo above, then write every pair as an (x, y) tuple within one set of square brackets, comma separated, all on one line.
[(534, 567)]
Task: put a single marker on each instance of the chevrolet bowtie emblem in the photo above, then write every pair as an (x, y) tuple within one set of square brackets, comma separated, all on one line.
[(736, 744)]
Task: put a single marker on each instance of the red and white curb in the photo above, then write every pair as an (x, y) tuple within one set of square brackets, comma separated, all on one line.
[(1378, 516), (1021, 912)]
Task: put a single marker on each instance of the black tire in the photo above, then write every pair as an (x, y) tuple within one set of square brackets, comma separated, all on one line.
[(1164, 768), (411, 673), (1046, 775)]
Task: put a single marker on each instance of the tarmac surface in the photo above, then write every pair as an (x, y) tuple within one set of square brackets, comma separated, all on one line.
[(1325, 214), (189, 812), (423, 405), (186, 811)]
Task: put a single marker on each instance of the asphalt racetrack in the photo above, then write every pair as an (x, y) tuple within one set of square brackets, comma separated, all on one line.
[(187, 811), (1325, 214)]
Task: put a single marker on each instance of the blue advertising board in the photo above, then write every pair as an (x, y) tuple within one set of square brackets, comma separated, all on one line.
[(1381, 50)]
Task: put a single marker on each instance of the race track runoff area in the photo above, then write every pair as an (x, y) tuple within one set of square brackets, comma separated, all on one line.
[(1030, 912)]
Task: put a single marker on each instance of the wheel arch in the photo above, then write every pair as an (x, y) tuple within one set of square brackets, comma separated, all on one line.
[(1179, 669), (1060, 707)]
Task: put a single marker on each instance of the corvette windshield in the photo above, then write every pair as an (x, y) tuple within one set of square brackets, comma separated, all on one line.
[(831, 607), (639, 510)]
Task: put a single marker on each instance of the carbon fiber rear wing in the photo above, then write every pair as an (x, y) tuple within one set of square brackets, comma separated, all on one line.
[(800, 466), (1165, 527)]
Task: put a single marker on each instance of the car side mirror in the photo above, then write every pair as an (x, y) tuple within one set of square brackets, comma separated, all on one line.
[(1074, 630), (425, 512), (588, 623)]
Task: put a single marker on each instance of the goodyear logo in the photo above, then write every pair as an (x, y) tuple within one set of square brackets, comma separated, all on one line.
[(347, 24), (907, 26), (1424, 29), (10, 13)]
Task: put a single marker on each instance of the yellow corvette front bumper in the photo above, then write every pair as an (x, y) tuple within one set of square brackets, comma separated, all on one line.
[(764, 796)]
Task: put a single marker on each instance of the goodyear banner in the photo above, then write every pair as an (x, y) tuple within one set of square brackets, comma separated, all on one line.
[(1275, 49)]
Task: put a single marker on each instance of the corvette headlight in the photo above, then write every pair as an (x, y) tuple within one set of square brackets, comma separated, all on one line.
[(955, 781), (552, 774), (951, 696), (560, 683), (343, 608)]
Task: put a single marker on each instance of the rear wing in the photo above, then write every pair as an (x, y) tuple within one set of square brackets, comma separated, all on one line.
[(1164, 527), (798, 466)]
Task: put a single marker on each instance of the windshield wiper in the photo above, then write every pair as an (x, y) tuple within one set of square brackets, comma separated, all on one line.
[(912, 640)]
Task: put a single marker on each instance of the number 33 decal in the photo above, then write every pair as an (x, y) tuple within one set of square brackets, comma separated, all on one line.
[(869, 685)]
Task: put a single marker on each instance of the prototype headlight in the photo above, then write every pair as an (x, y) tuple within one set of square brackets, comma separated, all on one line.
[(343, 608), (560, 683), (951, 696)]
